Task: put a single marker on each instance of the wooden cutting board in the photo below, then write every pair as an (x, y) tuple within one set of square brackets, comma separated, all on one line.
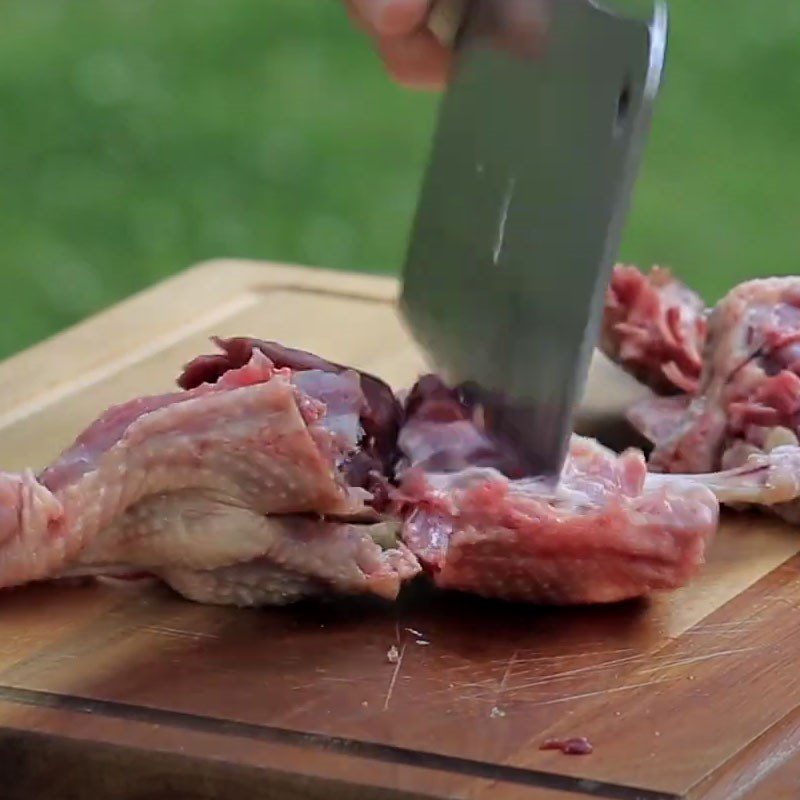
[(136, 693)]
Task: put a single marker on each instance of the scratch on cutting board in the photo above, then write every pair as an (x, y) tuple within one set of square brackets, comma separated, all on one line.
[(737, 626), (484, 689), (504, 680), (694, 659), (299, 687), (397, 667), (525, 664), (480, 689), (486, 683), (486, 692), (501, 228), (179, 633), (534, 661), (523, 667), (570, 673), (610, 690)]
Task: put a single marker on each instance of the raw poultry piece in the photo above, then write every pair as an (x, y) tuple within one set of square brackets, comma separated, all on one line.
[(373, 459), (655, 328), (608, 532), (749, 385), (237, 492), (747, 398)]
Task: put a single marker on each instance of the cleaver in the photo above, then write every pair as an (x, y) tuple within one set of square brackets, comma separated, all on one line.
[(538, 143)]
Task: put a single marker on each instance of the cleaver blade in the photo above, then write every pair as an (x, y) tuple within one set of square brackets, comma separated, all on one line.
[(538, 143)]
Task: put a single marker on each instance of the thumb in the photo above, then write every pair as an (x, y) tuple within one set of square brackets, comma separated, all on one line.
[(392, 18)]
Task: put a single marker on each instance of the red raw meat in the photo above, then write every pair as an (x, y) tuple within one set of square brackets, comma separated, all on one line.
[(655, 328), (748, 399), (576, 746), (598, 537)]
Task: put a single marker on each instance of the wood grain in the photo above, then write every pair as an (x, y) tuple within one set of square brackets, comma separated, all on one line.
[(694, 694)]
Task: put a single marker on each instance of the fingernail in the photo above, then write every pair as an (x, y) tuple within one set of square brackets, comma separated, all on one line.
[(398, 17)]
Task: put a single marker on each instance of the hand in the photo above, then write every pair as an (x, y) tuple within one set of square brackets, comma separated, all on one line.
[(411, 53)]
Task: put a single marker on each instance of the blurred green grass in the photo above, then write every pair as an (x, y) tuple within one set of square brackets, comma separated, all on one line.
[(138, 137)]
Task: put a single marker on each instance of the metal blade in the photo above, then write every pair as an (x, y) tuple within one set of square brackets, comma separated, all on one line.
[(538, 143)]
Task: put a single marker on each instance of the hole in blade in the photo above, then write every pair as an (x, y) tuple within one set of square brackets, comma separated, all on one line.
[(623, 107)]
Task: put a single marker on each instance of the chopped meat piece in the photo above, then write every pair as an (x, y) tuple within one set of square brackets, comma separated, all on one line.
[(600, 536), (593, 540), (748, 399), (380, 415), (231, 492), (608, 532), (655, 328)]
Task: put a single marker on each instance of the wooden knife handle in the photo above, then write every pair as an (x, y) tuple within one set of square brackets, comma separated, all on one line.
[(445, 18)]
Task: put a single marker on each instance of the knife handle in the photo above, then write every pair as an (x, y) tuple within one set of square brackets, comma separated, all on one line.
[(445, 18)]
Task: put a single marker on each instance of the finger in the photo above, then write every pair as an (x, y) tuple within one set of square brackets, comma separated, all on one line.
[(417, 61), (351, 6), (391, 17)]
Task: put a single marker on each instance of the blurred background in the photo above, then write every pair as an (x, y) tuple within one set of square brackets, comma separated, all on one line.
[(140, 136)]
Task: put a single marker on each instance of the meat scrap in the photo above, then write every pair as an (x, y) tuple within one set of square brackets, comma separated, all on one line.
[(577, 746)]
